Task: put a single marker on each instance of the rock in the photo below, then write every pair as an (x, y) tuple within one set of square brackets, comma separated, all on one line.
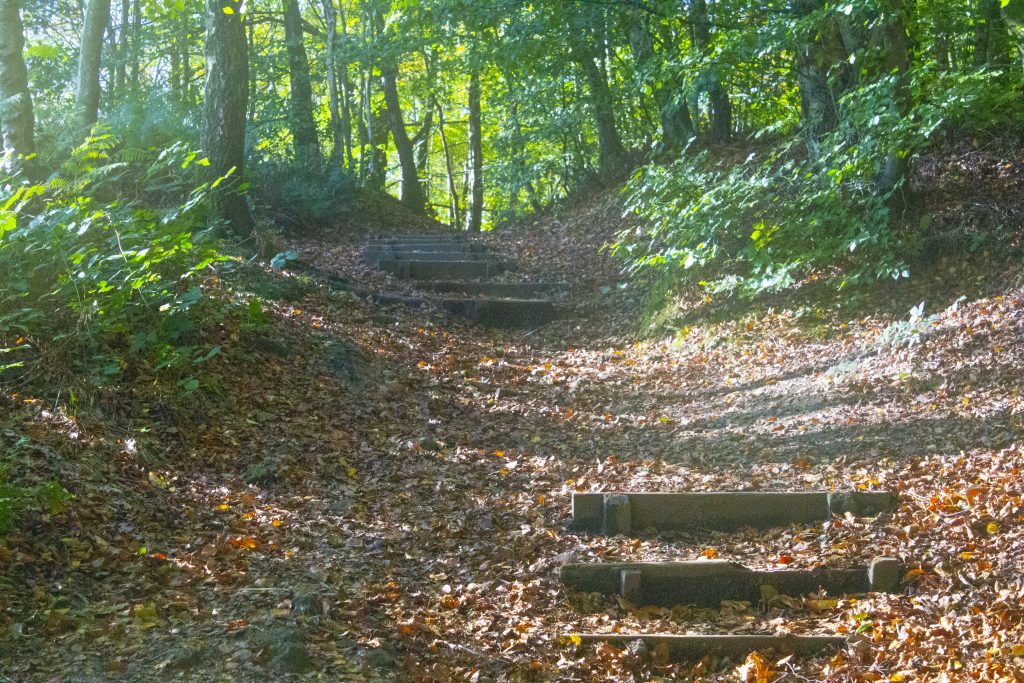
[(307, 603), (379, 658), (429, 444), (885, 575), (283, 648), (262, 473)]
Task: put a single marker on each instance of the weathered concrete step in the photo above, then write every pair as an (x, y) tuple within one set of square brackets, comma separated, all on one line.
[(449, 256), (511, 290), (416, 242), (455, 248), (708, 582), (625, 513), (505, 313), (737, 647), (441, 270)]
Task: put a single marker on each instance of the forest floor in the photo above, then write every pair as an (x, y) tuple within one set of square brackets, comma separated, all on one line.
[(360, 494)]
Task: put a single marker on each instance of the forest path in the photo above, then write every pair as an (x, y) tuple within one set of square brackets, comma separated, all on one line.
[(382, 497)]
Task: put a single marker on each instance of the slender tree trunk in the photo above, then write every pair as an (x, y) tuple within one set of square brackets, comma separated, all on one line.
[(474, 217), (892, 36), (174, 56), (225, 103), (721, 108), (300, 95), (337, 144), (363, 121), (421, 141), (342, 78), (122, 48), (676, 126), (186, 61), (453, 195), (136, 45), (612, 156), (412, 192), (17, 120), (97, 16)]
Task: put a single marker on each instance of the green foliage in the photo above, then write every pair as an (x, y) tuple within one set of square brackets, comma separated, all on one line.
[(101, 266), (18, 497), (783, 214)]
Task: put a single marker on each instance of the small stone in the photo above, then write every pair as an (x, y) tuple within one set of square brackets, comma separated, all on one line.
[(429, 444), (291, 658), (262, 473)]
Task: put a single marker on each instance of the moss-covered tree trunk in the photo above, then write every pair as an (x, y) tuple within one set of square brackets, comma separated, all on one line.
[(17, 121), (97, 16), (225, 106), (305, 141)]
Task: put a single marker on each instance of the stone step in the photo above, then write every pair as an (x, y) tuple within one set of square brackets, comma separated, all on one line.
[(625, 513), (707, 583), (510, 290), (427, 241), (441, 270), (455, 248), (396, 255), (693, 647), (504, 313)]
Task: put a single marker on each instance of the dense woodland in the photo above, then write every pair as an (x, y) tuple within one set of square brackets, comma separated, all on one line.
[(184, 189)]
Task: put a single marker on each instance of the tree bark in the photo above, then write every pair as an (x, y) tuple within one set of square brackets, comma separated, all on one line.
[(676, 125), (122, 47), (338, 144), (412, 192), (721, 107), (612, 156), (225, 104), (812, 63), (300, 95), (1013, 16), (97, 16), (455, 218), (17, 120), (475, 210)]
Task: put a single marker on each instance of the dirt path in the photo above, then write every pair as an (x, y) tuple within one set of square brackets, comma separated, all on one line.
[(377, 497)]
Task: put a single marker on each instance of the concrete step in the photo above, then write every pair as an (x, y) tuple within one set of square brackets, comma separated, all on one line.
[(441, 270), (626, 513), (693, 647), (707, 583), (504, 313), (415, 242), (510, 290), (457, 248), (402, 255)]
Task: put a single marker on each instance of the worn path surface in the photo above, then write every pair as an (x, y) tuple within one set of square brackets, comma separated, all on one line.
[(376, 497)]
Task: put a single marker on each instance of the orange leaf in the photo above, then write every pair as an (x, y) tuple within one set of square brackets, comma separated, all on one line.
[(785, 559), (709, 553)]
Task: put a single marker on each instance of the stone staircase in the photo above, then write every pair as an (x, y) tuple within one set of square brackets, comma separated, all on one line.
[(707, 583), (455, 273)]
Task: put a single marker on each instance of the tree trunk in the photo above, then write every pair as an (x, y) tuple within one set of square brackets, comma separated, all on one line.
[(97, 16), (813, 61), (338, 145), (421, 142), (676, 125), (17, 120), (225, 104), (475, 210), (412, 192), (1013, 16), (721, 108), (122, 48), (612, 156), (892, 36), (136, 45), (455, 218), (300, 95)]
